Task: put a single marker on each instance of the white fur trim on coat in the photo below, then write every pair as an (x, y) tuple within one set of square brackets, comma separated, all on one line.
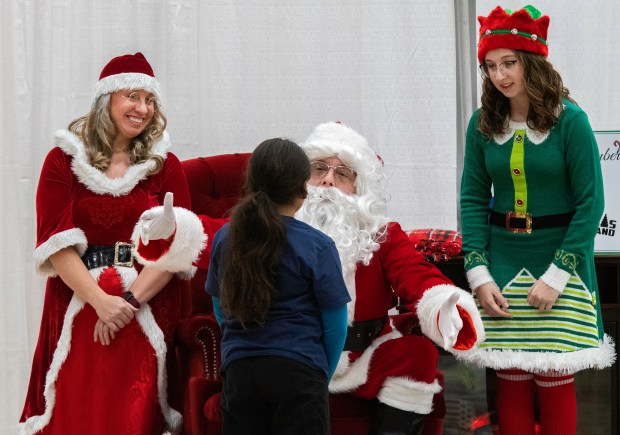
[(430, 304), (399, 392), (150, 328), (348, 274), (407, 395), (476, 276), (37, 422), (95, 180), (556, 278), (155, 336), (536, 362), (73, 237), (189, 241), (129, 81), (349, 376)]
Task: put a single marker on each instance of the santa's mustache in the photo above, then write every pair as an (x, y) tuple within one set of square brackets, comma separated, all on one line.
[(328, 194), (324, 205)]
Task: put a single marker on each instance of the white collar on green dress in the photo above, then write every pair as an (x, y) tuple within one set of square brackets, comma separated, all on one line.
[(535, 136)]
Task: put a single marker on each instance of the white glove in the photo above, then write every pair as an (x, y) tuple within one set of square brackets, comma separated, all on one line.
[(158, 223), (450, 323)]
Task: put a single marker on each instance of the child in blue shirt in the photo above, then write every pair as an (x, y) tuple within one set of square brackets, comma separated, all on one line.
[(280, 299)]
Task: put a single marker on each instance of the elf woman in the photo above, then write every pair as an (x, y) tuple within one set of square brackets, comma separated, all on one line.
[(529, 258)]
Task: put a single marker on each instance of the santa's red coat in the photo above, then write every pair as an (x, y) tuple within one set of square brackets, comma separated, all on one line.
[(399, 370)]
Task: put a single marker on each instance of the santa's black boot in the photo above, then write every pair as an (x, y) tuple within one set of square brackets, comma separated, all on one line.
[(392, 421)]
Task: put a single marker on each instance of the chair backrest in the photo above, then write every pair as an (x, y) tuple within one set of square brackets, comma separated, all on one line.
[(215, 184)]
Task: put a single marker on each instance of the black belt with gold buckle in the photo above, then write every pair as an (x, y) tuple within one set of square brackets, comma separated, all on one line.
[(108, 255), (519, 222), (362, 333)]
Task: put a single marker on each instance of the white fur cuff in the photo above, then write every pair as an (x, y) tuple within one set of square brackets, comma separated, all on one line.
[(477, 276), (74, 237), (556, 278), (189, 241), (430, 304)]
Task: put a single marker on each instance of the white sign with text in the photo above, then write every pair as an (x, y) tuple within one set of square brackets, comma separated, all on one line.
[(607, 240)]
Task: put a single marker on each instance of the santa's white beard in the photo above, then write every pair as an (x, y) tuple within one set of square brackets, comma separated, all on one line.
[(356, 232), (348, 221)]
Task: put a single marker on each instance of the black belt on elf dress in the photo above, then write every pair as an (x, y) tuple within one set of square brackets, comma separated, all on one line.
[(518, 222), (108, 255), (362, 333)]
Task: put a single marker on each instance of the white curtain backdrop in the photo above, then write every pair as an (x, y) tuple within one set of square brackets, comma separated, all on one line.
[(235, 73)]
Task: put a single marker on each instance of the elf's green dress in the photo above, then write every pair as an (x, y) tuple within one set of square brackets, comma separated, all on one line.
[(542, 174)]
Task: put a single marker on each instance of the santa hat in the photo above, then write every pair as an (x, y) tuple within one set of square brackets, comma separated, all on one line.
[(524, 29), (130, 71), (336, 139)]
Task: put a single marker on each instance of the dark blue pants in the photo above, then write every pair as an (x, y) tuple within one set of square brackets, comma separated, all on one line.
[(272, 395)]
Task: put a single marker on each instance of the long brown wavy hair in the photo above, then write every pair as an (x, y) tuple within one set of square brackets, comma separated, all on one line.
[(97, 131), (544, 88), (277, 174)]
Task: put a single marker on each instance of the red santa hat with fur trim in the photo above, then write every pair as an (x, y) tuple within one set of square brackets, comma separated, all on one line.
[(336, 139), (130, 71)]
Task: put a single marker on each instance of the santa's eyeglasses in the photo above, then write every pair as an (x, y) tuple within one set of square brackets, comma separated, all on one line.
[(342, 173)]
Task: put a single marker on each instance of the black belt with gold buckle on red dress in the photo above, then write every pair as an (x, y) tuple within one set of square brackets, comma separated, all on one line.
[(108, 255)]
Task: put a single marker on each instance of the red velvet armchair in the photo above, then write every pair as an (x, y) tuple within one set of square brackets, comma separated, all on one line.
[(215, 183)]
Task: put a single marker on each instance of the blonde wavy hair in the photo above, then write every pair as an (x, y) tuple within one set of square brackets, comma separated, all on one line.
[(544, 88), (97, 131)]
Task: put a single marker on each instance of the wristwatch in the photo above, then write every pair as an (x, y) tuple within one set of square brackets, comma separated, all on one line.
[(129, 297)]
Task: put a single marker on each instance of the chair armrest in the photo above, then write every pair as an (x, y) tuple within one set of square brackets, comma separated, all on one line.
[(198, 339), (199, 392)]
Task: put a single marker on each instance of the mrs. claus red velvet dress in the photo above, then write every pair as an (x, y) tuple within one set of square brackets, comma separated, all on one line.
[(78, 386)]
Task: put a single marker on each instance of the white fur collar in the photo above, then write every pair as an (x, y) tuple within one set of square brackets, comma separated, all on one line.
[(95, 180), (535, 136)]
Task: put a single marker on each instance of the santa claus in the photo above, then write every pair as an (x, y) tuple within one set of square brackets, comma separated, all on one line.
[(347, 199)]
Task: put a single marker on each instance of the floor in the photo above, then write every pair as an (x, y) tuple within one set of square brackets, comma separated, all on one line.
[(467, 412)]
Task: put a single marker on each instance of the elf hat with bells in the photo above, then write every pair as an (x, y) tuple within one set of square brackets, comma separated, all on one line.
[(524, 29)]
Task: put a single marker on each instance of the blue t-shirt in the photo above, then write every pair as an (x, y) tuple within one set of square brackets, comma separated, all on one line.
[(309, 279)]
